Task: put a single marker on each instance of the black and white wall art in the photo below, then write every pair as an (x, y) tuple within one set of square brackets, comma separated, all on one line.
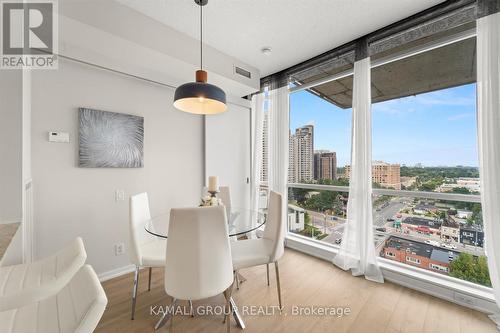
[(110, 139)]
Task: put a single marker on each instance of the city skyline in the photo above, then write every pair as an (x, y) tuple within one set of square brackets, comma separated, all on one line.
[(442, 126)]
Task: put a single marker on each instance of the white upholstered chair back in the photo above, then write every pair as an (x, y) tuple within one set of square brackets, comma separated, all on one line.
[(140, 216), (274, 230), (225, 197), (76, 308), (29, 283), (198, 253)]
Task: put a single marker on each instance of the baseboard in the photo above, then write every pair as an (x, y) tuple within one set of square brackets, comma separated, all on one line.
[(116, 272)]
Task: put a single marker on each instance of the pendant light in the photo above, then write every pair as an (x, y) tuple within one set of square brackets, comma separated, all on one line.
[(200, 97)]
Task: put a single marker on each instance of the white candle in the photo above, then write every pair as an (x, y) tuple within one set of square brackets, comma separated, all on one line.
[(212, 184)]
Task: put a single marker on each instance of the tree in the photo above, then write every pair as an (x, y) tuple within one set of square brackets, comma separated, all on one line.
[(460, 190), (470, 268)]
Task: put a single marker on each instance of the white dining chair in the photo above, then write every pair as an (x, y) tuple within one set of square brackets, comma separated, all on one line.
[(225, 196), (28, 283), (199, 257), (266, 250), (146, 250), (76, 308)]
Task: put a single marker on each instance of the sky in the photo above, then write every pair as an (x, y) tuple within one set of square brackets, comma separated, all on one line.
[(434, 129)]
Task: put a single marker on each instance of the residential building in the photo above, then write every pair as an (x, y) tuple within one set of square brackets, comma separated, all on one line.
[(385, 174), (265, 149), (418, 254), (301, 148), (325, 165)]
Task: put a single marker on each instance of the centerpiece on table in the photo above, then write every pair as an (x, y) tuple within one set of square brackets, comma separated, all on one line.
[(211, 199)]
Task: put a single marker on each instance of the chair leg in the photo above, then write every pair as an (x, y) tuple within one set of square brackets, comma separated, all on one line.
[(227, 316), (134, 291), (278, 283), (166, 316), (237, 279), (149, 282), (191, 309), (267, 269)]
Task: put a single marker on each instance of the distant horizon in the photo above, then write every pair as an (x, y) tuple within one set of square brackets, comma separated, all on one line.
[(443, 124)]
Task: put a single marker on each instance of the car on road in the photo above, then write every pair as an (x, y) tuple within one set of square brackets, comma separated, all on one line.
[(338, 241), (449, 246), (431, 242)]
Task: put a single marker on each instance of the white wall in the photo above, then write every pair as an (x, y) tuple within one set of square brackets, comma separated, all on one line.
[(71, 201), (228, 151), (10, 145)]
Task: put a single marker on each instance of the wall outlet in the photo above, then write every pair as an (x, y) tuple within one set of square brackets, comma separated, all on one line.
[(119, 195), (119, 249)]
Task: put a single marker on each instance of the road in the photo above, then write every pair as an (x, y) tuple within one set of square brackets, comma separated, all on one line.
[(388, 212)]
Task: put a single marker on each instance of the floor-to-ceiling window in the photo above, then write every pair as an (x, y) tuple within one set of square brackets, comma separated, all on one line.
[(319, 153), (427, 210)]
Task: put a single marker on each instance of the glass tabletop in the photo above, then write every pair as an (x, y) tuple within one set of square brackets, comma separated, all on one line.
[(240, 222)]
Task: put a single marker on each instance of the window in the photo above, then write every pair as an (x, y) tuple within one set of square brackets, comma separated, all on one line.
[(413, 260), (319, 151), (438, 267), (390, 254), (424, 140)]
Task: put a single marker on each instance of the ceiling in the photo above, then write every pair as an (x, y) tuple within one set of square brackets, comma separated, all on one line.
[(295, 30)]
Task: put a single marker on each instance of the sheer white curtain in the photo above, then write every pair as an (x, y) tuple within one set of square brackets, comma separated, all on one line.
[(278, 143), (357, 251), (258, 118), (488, 116)]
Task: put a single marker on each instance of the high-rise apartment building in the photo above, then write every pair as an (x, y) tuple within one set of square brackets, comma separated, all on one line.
[(265, 149), (301, 157), (385, 174), (325, 165)]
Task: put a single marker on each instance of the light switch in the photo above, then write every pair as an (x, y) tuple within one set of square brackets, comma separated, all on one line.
[(59, 137)]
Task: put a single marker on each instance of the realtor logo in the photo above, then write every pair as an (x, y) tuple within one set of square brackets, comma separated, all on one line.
[(29, 31)]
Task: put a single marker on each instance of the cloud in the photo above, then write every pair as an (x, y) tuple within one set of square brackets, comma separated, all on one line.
[(460, 116), (393, 107), (445, 98)]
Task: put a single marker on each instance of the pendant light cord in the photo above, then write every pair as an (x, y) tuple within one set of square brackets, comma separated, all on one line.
[(201, 36)]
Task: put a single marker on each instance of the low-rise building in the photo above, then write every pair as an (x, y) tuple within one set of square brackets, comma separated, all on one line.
[(418, 254), (463, 214), (296, 218), (472, 235), (450, 230), (421, 225)]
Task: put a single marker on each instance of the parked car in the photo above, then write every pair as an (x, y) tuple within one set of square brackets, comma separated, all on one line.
[(390, 220), (423, 230), (449, 246), (381, 229), (431, 242), (338, 241)]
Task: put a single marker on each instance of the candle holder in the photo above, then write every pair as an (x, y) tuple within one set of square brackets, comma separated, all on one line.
[(213, 194)]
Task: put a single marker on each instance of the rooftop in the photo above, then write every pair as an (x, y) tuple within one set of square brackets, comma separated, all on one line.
[(422, 222), (421, 249)]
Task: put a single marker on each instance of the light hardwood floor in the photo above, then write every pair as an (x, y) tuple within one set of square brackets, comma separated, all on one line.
[(306, 281)]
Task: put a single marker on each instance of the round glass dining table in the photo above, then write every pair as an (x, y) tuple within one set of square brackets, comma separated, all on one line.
[(240, 221)]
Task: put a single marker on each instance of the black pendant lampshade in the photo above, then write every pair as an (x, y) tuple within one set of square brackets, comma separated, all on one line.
[(200, 97)]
